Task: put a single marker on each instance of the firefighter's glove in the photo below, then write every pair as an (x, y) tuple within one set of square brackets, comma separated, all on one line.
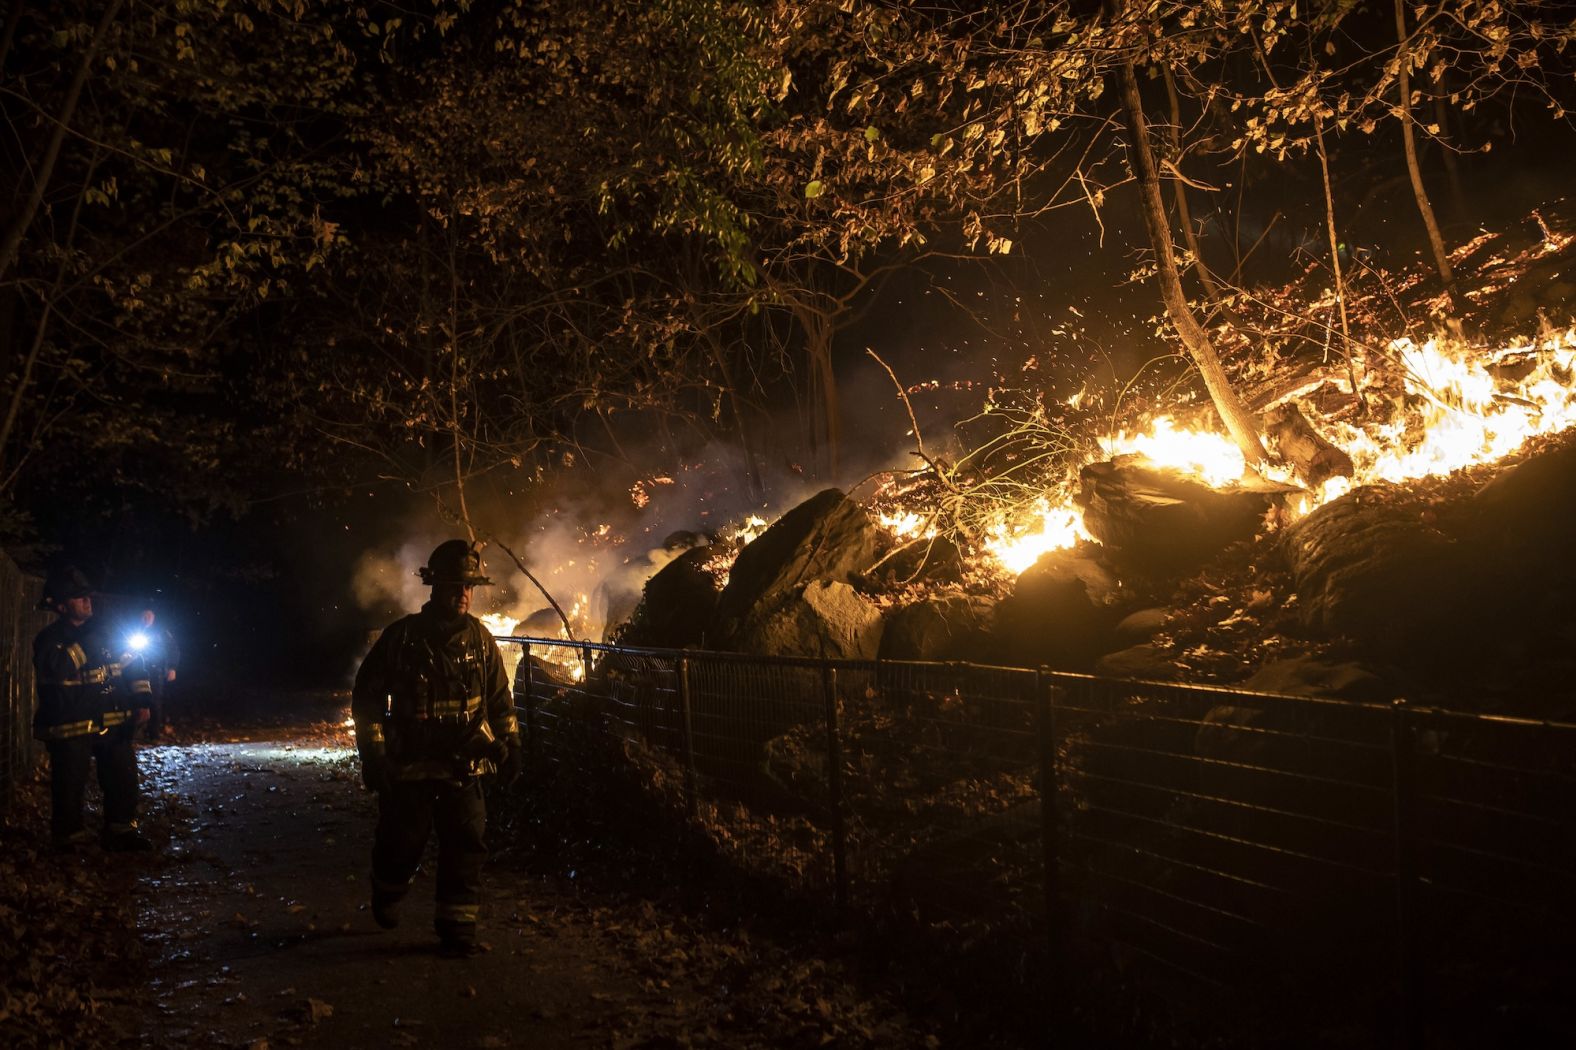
[(510, 766), (375, 774)]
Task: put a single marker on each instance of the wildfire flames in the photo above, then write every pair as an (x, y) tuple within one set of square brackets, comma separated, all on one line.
[(1452, 406), (566, 659), (1462, 407)]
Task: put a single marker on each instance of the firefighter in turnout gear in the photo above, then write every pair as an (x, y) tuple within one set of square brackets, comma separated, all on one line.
[(433, 715), (92, 692)]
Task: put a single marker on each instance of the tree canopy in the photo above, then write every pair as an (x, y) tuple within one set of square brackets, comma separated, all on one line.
[(247, 239)]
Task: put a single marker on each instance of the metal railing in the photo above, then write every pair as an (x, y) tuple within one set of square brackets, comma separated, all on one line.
[(19, 622), (1342, 862)]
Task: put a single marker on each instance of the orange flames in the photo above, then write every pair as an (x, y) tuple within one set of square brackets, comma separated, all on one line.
[(1459, 406), (1464, 407)]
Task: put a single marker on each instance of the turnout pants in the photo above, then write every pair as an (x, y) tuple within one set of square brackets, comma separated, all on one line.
[(116, 763), (156, 700), (408, 811)]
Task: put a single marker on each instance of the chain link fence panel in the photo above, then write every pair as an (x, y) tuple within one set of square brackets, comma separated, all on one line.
[(1289, 862)]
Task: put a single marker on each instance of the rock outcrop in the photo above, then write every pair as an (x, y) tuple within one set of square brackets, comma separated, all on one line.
[(1520, 522), (676, 604), (825, 619), (1148, 662), (935, 560), (1059, 613), (951, 628), (1157, 521), (826, 538), (1370, 567)]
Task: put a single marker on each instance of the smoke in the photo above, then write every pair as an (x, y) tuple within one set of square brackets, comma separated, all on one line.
[(592, 539), (384, 582), (593, 532)]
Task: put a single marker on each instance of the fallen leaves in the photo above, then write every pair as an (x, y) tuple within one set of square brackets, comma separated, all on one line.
[(66, 935)]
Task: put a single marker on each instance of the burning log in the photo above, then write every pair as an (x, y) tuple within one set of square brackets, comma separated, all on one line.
[(1293, 438), (1158, 520)]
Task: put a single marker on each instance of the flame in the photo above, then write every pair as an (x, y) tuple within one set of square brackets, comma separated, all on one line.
[(565, 658), (1459, 414), (748, 530), (499, 625), (1213, 457), (1050, 527), (906, 524), (1467, 415)]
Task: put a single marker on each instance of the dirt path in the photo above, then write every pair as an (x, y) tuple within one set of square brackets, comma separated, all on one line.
[(258, 935)]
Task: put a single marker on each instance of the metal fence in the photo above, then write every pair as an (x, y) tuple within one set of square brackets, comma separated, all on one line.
[(1293, 863), (19, 621)]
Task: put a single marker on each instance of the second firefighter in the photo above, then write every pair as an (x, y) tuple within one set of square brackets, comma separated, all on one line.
[(433, 715)]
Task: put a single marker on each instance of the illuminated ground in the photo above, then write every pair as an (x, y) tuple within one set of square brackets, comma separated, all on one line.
[(257, 934)]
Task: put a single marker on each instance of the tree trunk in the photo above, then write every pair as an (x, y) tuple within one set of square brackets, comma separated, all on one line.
[(454, 386), (46, 166), (1179, 191), (1313, 458), (1409, 141), (13, 18), (818, 332), (719, 355), (14, 407), (1335, 259), (1238, 422)]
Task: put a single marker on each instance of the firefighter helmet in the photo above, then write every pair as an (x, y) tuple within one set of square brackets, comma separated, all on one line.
[(63, 584), (455, 561)]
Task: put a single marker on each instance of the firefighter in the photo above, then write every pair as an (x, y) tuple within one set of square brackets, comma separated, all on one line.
[(433, 716), (161, 655), (92, 691)]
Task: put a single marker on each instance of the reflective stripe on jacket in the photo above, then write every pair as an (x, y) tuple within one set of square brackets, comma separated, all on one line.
[(85, 684)]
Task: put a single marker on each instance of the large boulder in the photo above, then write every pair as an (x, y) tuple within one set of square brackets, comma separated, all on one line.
[(950, 628), (931, 560), (1060, 611), (828, 537), (1147, 662), (1313, 676), (677, 604), (1158, 520), (1282, 754), (1520, 522), (826, 619), (1139, 627), (1370, 566)]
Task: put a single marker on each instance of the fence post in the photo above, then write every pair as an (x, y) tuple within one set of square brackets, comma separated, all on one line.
[(687, 740), (1409, 1029), (834, 786), (532, 741), (1045, 723)]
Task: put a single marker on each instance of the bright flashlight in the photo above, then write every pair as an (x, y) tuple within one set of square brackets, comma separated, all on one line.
[(138, 642)]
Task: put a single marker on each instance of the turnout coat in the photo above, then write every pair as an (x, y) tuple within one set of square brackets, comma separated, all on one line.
[(431, 700), (87, 682)]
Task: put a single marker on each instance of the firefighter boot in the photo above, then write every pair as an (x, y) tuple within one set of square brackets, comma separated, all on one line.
[(451, 946), (385, 908), (69, 842), (122, 838)]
